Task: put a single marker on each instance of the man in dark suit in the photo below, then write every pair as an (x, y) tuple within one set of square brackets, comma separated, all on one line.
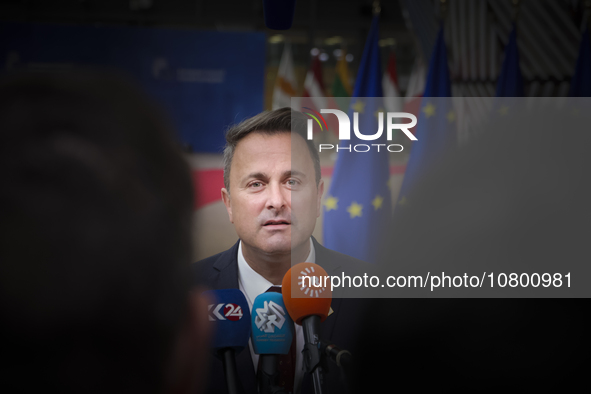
[(273, 196)]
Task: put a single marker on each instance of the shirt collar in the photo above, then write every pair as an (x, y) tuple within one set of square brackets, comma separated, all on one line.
[(251, 282)]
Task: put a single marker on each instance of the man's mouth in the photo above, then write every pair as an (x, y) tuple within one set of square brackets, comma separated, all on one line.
[(276, 223)]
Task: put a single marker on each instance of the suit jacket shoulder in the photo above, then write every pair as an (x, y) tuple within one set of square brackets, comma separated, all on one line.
[(219, 271), (336, 261)]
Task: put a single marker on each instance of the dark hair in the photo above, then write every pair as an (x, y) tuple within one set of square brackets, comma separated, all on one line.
[(282, 120), (95, 246)]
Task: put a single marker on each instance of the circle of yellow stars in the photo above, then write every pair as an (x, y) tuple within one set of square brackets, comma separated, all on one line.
[(355, 209), (430, 110)]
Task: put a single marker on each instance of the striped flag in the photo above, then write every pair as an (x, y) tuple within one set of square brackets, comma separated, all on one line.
[(314, 96), (416, 88), (285, 84), (392, 98), (313, 85), (341, 86)]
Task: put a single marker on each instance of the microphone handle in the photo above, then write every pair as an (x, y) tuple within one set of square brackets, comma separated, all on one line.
[(342, 358), (269, 374), (339, 356), (231, 372), (311, 352)]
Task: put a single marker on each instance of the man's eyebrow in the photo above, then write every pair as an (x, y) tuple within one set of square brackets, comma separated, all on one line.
[(256, 175), (262, 175), (294, 173)]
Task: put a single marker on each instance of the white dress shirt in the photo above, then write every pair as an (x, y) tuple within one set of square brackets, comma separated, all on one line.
[(252, 284)]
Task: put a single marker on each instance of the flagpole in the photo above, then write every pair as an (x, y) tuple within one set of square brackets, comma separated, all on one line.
[(587, 17), (442, 10), (376, 7), (515, 11)]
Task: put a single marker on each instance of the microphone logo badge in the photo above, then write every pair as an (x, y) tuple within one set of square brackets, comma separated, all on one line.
[(270, 315), (309, 283), (223, 311)]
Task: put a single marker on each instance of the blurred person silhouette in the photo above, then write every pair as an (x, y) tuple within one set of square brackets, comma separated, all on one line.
[(96, 204), (513, 200)]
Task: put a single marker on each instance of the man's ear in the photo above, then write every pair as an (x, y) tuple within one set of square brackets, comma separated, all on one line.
[(319, 198), (226, 200)]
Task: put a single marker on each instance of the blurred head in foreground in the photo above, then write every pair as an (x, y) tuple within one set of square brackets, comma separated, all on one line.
[(95, 240)]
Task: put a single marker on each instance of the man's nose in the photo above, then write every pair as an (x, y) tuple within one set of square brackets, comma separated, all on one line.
[(276, 198)]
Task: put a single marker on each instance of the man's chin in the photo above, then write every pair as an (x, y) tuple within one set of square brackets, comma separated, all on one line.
[(277, 247), (278, 244), (283, 245)]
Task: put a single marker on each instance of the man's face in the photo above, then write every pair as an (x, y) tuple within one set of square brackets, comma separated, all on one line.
[(265, 177)]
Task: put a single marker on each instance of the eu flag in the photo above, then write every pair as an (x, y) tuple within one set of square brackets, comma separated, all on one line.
[(436, 126), (580, 85), (357, 208), (510, 82)]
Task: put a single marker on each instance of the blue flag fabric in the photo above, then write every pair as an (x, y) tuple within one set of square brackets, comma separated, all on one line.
[(580, 85), (510, 82), (438, 82), (436, 126), (357, 208)]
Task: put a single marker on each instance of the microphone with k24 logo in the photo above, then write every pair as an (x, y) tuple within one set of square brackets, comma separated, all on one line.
[(231, 317), (308, 304), (272, 334)]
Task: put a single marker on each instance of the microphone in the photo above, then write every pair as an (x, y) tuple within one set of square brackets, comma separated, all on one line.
[(279, 13), (272, 333), (340, 357), (231, 317), (307, 299)]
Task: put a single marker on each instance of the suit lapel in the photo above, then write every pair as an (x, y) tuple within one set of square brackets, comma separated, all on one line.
[(225, 270)]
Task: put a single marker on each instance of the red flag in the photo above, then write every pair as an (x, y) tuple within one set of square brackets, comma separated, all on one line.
[(416, 87), (315, 98), (392, 98)]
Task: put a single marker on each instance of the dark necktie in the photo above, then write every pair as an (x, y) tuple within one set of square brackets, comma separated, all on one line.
[(287, 362)]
